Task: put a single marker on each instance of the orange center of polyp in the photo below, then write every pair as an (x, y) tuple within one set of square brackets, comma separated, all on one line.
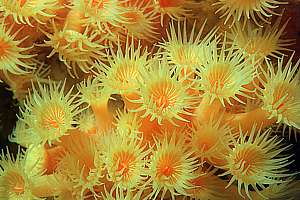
[(124, 159), (218, 76), (206, 142), (53, 123), (166, 165), (247, 159), (162, 102), (170, 3), (3, 47), (164, 94), (18, 189), (16, 183), (167, 171), (53, 119)]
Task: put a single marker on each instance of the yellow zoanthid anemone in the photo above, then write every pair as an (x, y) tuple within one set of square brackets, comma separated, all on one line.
[(77, 49), (48, 113), (13, 57), (171, 168), (175, 9), (211, 141), (262, 42), (15, 180), (237, 10), (29, 11), (35, 161), (280, 92), (20, 84), (97, 97), (83, 147), (142, 20), (82, 180), (21, 134), (256, 161), (128, 124), (122, 73), (186, 50), (87, 122), (65, 188), (288, 189), (208, 186), (225, 74), (102, 14), (162, 96), (125, 159), (92, 92), (82, 163)]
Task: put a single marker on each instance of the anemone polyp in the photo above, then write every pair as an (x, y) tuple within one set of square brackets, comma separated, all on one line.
[(207, 186), (13, 57), (123, 72), (20, 83), (20, 134), (92, 92), (289, 189), (128, 124), (102, 13), (240, 9), (280, 92), (15, 181), (171, 168), (162, 96), (225, 74), (76, 49), (77, 175), (186, 50), (211, 141), (81, 163), (49, 113), (142, 20), (29, 11), (175, 9), (87, 122), (125, 159), (261, 42), (256, 161)]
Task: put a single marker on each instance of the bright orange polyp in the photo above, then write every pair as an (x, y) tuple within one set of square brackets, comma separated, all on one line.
[(124, 159), (103, 117), (245, 121), (51, 159), (167, 171)]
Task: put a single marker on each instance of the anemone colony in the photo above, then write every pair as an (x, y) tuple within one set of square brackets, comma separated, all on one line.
[(136, 99)]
